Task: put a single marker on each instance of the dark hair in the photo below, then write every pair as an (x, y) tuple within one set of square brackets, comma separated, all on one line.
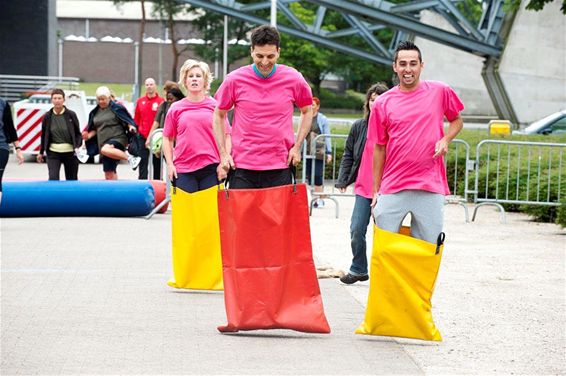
[(407, 46), (178, 94), (263, 35), (57, 91), (168, 85), (378, 88)]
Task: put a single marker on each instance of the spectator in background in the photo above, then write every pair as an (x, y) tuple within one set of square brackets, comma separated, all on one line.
[(146, 109), (60, 136), (8, 135), (323, 149), (357, 166), (110, 122), (172, 94)]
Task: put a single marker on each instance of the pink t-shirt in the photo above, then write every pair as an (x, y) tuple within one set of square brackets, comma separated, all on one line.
[(410, 124), (262, 128), (364, 180), (191, 124)]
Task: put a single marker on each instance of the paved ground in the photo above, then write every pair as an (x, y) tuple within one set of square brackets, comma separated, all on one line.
[(89, 296)]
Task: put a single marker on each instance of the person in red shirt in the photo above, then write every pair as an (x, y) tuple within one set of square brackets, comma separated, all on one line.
[(146, 108)]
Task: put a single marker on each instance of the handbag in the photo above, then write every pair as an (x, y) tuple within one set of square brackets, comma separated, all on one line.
[(134, 142), (402, 277), (197, 262), (269, 275)]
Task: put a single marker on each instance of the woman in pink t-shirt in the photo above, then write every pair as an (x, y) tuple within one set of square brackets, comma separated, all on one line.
[(189, 146)]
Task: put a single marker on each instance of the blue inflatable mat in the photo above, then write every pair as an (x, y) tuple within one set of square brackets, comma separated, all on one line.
[(117, 198)]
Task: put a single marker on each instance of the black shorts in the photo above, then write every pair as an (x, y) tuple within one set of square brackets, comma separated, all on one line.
[(110, 164), (241, 178)]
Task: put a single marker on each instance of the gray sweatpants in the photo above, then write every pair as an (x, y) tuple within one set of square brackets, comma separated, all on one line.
[(426, 208)]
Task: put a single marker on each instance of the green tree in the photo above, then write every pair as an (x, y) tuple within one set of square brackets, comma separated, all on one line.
[(211, 26), (535, 5), (140, 39)]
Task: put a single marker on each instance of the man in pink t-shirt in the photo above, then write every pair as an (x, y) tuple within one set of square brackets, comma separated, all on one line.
[(263, 96), (407, 127)]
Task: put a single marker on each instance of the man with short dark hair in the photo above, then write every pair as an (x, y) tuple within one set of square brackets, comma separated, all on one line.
[(407, 127), (263, 96), (60, 136), (146, 108)]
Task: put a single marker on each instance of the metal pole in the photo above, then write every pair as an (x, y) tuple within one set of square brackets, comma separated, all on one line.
[(136, 69), (60, 70), (274, 13), (225, 49)]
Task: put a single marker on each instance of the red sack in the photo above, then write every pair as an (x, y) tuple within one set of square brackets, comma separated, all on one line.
[(269, 275)]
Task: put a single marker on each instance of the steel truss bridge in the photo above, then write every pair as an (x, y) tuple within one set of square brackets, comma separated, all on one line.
[(365, 17)]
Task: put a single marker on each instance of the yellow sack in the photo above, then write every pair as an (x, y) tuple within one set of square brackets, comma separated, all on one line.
[(403, 272), (197, 261)]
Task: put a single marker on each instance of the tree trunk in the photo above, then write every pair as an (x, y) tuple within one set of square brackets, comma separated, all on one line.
[(176, 53)]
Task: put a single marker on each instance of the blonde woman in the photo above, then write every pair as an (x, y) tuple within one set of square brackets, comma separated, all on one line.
[(193, 162)]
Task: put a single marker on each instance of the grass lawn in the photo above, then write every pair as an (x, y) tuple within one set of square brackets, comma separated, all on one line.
[(123, 91)]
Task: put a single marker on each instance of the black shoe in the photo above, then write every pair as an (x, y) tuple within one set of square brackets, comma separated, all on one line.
[(349, 279)]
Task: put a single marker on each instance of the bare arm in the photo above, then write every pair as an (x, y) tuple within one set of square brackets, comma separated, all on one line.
[(455, 126), (378, 163), (226, 161), (305, 121), (167, 148)]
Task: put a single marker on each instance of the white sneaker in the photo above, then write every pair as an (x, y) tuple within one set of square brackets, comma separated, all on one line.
[(320, 203), (81, 154), (134, 161)]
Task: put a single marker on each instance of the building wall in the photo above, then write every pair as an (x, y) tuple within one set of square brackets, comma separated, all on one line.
[(461, 70), (114, 62), (533, 65), (27, 50)]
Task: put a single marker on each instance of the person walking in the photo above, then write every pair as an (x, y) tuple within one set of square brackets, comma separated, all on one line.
[(263, 96), (406, 125), (60, 136), (322, 150), (356, 167), (144, 115)]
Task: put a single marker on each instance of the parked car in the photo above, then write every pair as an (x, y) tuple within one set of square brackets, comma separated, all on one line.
[(552, 124)]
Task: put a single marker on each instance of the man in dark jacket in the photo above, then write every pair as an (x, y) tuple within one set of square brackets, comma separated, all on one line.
[(8, 135), (356, 166), (60, 136)]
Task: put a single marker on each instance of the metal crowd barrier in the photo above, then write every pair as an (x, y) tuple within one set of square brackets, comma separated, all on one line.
[(335, 169), (164, 174), (533, 172), (458, 161)]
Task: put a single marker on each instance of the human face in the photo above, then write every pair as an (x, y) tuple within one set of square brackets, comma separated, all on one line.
[(170, 98), (57, 101), (315, 108), (103, 102), (195, 80), (408, 68), (372, 99), (150, 87), (265, 57)]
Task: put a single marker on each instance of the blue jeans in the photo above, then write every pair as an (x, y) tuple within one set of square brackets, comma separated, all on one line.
[(358, 228)]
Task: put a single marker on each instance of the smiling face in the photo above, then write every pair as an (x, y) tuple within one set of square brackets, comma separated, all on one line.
[(265, 57), (408, 68), (194, 81)]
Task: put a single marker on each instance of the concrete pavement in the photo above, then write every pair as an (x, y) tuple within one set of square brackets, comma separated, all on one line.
[(89, 296)]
